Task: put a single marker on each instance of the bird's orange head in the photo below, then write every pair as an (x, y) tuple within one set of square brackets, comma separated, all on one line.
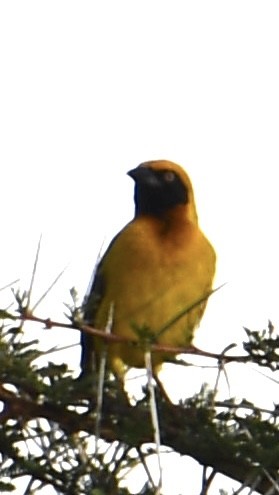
[(161, 186)]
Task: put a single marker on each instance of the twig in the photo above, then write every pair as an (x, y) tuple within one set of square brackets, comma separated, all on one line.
[(182, 313), (9, 284), (206, 481), (34, 271), (48, 289), (112, 338)]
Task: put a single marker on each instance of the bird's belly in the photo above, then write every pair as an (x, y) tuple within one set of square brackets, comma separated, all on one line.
[(165, 314)]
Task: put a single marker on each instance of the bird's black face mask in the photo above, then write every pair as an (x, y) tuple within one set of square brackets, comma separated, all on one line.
[(156, 191)]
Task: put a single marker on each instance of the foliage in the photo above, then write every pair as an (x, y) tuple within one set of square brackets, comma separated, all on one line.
[(48, 425)]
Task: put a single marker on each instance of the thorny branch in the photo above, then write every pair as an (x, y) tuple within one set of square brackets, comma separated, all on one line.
[(212, 432), (112, 338)]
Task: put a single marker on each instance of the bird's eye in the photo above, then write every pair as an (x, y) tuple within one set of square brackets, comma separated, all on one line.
[(169, 176)]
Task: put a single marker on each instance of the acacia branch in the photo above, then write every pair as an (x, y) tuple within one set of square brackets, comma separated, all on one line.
[(181, 429), (111, 338)]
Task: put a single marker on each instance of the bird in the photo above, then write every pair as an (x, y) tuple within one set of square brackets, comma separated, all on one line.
[(159, 266)]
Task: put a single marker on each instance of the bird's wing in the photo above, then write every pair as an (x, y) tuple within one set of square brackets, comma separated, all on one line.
[(90, 306), (92, 300)]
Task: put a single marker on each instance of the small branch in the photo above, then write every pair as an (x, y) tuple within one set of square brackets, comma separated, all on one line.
[(18, 407), (111, 338), (231, 405), (206, 481)]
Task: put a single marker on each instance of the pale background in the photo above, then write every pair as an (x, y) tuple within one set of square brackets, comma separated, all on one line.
[(88, 90)]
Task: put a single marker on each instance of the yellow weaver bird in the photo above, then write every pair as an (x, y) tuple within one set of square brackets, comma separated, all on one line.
[(159, 265)]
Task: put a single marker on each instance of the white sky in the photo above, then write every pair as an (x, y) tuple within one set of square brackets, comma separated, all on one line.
[(88, 90)]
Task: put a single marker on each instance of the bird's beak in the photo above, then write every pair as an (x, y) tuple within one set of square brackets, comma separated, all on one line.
[(143, 175), (136, 173)]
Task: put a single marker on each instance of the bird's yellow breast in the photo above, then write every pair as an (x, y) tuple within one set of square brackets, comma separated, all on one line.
[(162, 269)]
